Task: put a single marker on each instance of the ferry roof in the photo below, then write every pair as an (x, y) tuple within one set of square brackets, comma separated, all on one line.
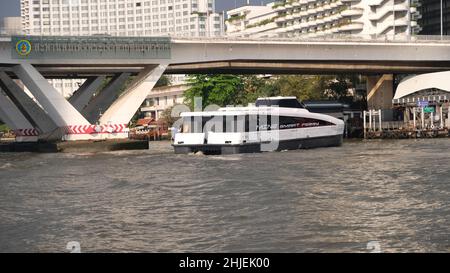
[(239, 111), (277, 98)]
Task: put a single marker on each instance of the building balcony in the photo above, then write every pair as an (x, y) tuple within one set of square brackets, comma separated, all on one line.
[(280, 19), (352, 26), (290, 17), (280, 8), (311, 12), (352, 12)]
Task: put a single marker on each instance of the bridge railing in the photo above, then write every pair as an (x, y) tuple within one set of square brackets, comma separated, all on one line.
[(323, 38), (216, 36)]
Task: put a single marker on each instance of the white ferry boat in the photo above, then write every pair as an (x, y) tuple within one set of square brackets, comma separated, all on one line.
[(271, 124)]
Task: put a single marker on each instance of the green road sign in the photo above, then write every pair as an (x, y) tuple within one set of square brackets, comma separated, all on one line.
[(428, 109), (92, 47)]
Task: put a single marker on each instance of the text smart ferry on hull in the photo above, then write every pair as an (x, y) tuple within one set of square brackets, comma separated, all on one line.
[(272, 124)]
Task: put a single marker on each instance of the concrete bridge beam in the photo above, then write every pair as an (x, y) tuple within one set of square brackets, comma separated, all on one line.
[(105, 98), (35, 115), (124, 108), (82, 96), (11, 115), (57, 107)]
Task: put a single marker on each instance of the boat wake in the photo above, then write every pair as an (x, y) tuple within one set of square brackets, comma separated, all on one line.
[(7, 166)]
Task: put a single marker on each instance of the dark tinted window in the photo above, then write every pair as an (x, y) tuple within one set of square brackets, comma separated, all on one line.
[(299, 122), (251, 123), (286, 103)]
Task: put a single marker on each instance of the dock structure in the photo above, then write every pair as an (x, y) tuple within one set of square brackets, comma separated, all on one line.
[(423, 101), (418, 122)]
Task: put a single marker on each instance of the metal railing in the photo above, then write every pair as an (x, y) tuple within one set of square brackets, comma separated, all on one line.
[(322, 38), (268, 37)]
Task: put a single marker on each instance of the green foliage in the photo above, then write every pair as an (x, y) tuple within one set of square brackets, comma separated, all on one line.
[(219, 89), (256, 87), (262, 23), (167, 118), (338, 88), (4, 128), (302, 87), (236, 18), (163, 81), (240, 90)]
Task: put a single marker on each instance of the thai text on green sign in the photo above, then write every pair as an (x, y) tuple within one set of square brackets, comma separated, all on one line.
[(90, 47), (428, 109)]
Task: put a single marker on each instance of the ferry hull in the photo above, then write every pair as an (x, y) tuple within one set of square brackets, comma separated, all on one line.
[(293, 144)]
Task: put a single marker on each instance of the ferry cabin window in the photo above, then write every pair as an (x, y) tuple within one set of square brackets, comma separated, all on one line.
[(225, 124), (234, 124), (192, 125), (251, 123), (231, 124), (264, 123), (213, 124), (187, 124)]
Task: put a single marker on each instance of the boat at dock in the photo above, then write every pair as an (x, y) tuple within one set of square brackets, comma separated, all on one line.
[(271, 124)]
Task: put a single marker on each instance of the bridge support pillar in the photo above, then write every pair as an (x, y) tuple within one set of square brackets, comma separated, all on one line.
[(35, 115), (124, 108), (380, 92), (105, 98), (81, 97), (11, 115), (57, 107), (56, 117)]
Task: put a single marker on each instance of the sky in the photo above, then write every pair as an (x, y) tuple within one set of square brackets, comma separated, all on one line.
[(12, 7)]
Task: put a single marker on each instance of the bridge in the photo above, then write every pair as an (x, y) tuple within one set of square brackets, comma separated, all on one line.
[(39, 112)]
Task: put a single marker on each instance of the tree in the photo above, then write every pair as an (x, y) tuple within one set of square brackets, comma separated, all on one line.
[(302, 87), (256, 87), (218, 89), (4, 128), (338, 88), (167, 117), (163, 81), (344, 88)]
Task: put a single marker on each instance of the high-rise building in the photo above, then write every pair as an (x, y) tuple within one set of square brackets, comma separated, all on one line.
[(194, 18), (121, 17), (290, 18), (11, 25), (430, 21)]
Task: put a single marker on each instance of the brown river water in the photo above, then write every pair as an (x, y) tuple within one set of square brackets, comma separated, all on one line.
[(396, 193)]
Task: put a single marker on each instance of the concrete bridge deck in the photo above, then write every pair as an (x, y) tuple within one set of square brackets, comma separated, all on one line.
[(245, 55)]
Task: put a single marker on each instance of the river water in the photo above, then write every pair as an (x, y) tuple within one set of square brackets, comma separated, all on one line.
[(396, 193)]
